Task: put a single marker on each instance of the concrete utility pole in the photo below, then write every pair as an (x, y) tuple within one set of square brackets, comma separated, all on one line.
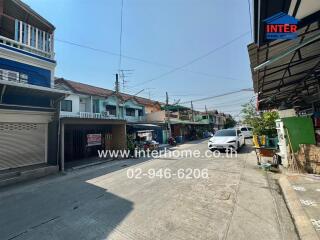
[(192, 111), (117, 95), (168, 114), (208, 117)]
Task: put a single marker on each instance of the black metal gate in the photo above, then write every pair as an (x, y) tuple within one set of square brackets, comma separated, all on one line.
[(75, 138)]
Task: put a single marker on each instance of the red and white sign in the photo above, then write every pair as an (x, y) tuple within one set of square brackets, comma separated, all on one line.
[(93, 139)]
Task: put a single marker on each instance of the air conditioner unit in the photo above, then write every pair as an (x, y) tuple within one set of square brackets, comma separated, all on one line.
[(9, 75), (105, 113), (13, 76)]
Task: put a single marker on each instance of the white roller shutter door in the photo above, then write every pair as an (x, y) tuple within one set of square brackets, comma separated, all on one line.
[(22, 144)]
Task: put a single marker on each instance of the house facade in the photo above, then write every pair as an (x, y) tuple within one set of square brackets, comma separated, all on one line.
[(185, 124), (94, 102), (28, 99), (93, 112), (90, 121)]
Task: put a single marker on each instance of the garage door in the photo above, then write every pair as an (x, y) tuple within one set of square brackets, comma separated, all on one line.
[(22, 144)]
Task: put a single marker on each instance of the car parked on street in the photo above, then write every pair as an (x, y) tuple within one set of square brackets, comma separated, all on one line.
[(247, 132), (226, 139)]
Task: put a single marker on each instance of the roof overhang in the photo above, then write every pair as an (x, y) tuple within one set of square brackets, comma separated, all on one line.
[(172, 122), (145, 126), (34, 13), (288, 71), (17, 87), (34, 88)]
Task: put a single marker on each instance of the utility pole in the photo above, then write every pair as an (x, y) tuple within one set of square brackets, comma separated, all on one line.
[(168, 114), (205, 107), (192, 111), (117, 95)]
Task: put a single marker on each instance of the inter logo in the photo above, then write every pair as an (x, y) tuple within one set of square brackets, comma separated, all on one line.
[(281, 26)]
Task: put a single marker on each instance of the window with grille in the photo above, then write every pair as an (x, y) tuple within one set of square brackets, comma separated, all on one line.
[(140, 113), (111, 109), (96, 108), (130, 112)]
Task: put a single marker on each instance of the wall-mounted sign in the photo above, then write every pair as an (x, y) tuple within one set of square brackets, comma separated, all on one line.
[(93, 139), (281, 26)]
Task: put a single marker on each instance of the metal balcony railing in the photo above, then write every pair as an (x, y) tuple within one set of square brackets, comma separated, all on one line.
[(88, 115), (135, 118)]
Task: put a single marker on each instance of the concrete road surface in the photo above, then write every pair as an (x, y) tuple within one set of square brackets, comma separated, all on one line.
[(235, 201)]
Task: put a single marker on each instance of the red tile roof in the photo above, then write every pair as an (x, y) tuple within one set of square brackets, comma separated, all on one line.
[(82, 88)]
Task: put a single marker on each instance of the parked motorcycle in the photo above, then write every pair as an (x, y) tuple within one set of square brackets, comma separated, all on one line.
[(172, 141)]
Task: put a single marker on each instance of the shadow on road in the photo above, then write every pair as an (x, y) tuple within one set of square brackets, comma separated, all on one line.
[(63, 207)]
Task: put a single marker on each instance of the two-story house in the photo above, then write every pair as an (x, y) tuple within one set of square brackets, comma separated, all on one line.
[(218, 119), (185, 124), (93, 113), (28, 99), (89, 122)]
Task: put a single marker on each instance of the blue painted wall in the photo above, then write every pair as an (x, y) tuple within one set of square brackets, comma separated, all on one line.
[(36, 76), (19, 97)]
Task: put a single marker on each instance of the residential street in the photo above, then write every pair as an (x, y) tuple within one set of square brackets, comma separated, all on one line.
[(100, 202)]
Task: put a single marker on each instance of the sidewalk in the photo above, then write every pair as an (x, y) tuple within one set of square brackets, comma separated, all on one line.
[(260, 210), (302, 194)]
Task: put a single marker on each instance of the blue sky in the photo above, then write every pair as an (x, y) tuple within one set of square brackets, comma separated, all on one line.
[(168, 32)]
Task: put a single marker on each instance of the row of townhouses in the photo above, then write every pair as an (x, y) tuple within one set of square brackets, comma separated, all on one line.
[(50, 122)]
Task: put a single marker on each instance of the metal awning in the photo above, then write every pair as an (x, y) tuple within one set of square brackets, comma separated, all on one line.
[(288, 71), (16, 89), (143, 131), (144, 126), (34, 88), (173, 122)]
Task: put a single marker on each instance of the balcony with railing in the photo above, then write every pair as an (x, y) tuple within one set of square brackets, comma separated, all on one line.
[(103, 115), (30, 39), (135, 118), (23, 29)]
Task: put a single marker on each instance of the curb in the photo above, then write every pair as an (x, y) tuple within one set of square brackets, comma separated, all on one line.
[(301, 221)]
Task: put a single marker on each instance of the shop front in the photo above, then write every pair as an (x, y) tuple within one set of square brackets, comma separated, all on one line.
[(147, 132), (187, 131), (286, 73), (28, 125)]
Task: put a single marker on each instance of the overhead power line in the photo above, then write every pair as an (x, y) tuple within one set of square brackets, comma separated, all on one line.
[(194, 60), (221, 95), (235, 103), (249, 9), (140, 60)]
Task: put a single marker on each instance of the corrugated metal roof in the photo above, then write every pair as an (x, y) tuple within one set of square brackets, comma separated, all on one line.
[(291, 79), (86, 89)]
